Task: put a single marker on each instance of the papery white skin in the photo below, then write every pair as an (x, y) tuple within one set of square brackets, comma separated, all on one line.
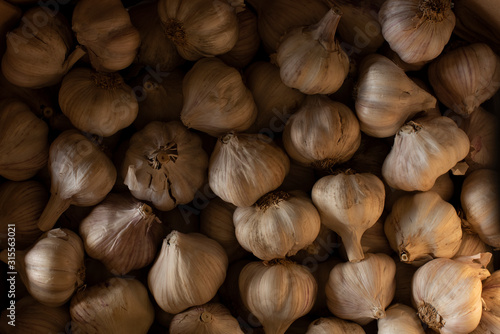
[(188, 271), (423, 226), (447, 293), (199, 28), (479, 200), (400, 318), (361, 291), (322, 131), (116, 224), (244, 167), (278, 225), (349, 204), (211, 318), (423, 150), (386, 97), (118, 305), (490, 318), (277, 294), (334, 325), (417, 30), (216, 100), (465, 77), (311, 59), (165, 164)]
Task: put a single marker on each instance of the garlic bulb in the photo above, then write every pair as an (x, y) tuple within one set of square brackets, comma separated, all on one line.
[(465, 77), (155, 50), (417, 30), (366, 293), (349, 204), (333, 325), (275, 18), (386, 97), (490, 318), (199, 28), (481, 128), (248, 40), (423, 150), (447, 293), (104, 28), (188, 271), (311, 59), (423, 226), (215, 99), (392, 55), (80, 173), (118, 305), (277, 293), (23, 141), (210, 318), (400, 319), (21, 204), (244, 167), (322, 133), (274, 100), (479, 198), (33, 317), (216, 222), (39, 56), (278, 225), (97, 103), (165, 164), (116, 223)]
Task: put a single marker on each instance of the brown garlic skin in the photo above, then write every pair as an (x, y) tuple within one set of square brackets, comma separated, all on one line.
[(104, 28), (465, 77), (24, 140), (39, 55), (490, 317), (97, 103), (333, 325), (21, 204)]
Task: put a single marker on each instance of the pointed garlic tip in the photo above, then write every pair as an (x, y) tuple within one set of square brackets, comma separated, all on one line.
[(433, 10), (174, 31), (53, 210), (403, 256), (378, 313), (206, 317), (150, 85), (429, 315), (324, 31), (410, 127), (47, 112)]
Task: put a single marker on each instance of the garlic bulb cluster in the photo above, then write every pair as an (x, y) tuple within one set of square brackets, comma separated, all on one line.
[(490, 317), (118, 305), (479, 198), (39, 56), (400, 318), (349, 204), (447, 293), (97, 103), (417, 30), (277, 293), (216, 100), (188, 271), (113, 226), (386, 97), (334, 325), (199, 28), (212, 318), (278, 225), (24, 144), (164, 164), (361, 291), (423, 150), (465, 77), (80, 174), (244, 167), (104, 28), (21, 204), (311, 59), (423, 226), (322, 133)]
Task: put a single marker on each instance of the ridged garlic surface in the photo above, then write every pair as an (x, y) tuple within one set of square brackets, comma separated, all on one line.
[(334, 325), (211, 318), (423, 150), (188, 271), (361, 291), (490, 318), (400, 318)]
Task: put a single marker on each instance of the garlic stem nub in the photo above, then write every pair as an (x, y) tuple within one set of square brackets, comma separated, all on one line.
[(430, 316)]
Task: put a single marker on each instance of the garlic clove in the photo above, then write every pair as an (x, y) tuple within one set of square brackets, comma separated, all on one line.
[(490, 317), (471, 244), (333, 325), (400, 319)]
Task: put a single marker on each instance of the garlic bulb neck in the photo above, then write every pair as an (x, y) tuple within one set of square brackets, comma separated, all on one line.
[(163, 156), (324, 30), (272, 199), (107, 80), (227, 137), (206, 317), (433, 10), (430, 316), (378, 313), (174, 30), (410, 127), (326, 165)]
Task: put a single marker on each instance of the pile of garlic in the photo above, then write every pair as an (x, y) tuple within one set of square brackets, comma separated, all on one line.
[(259, 166)]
